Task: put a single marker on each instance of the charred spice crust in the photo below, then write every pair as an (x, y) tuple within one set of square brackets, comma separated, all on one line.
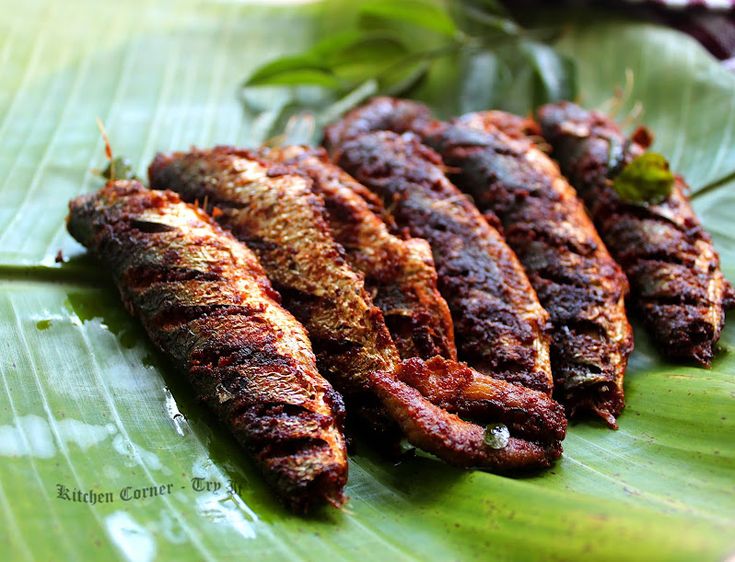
[(276, 211), (206, 303), (673, 269)]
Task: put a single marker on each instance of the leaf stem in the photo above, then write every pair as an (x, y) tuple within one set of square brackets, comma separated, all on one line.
[(714, 185)]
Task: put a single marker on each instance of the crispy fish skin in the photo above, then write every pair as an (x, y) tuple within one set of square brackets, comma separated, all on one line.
[(460, 390), (278, 215), (502, 328), (399, 273), (381, 113), (454, 440), (546, 225), (206, 303), (673, 269), (275, 211)]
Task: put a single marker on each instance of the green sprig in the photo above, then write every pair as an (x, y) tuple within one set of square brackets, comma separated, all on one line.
[(119, 168), (401, 47), (646, 179)]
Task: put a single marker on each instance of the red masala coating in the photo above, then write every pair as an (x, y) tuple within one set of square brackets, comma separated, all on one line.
[(278, 214), (399, 274), (517, 186), (206, 303), (453, 439), (674, 271), (463, 391), (501, 328), (545, 223)]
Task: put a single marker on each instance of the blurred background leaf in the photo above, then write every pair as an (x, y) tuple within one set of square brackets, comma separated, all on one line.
[(473, 49)]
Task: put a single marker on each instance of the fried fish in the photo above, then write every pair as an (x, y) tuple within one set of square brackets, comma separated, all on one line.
[(399, 273), (206, 303), (519, 188), (276, 212), (501, 328), (545, 223), (674, 271)]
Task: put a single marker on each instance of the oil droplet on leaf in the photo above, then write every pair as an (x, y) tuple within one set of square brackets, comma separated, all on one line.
[(497, 435)]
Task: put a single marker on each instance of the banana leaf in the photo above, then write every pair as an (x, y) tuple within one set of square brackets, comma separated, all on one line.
[(105, 455)]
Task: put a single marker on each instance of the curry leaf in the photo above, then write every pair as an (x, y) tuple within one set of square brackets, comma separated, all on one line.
[(401, 44), (294, 70), (482, 17), (333, 44), (646, 179), (413, 12), (119, 168), (368, 57), (338, 62), (554, 73)]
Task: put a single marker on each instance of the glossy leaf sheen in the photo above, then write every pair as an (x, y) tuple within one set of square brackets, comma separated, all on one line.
[(86, 403), (296, 70), (333, 61)]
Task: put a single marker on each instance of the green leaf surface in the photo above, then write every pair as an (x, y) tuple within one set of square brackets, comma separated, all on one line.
[(427, 15), (294, 70), (87, 404), (482, 17), (554, 74), (333, 62)]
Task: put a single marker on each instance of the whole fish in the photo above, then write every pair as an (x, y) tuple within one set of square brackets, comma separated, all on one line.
[(674, 271), (399, 273), (205, 302)]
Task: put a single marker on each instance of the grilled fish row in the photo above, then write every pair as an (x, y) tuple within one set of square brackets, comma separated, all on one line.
[(369, 295), (280, 213), (500, 325), (521, 190), (206, 303), (666, 255)]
